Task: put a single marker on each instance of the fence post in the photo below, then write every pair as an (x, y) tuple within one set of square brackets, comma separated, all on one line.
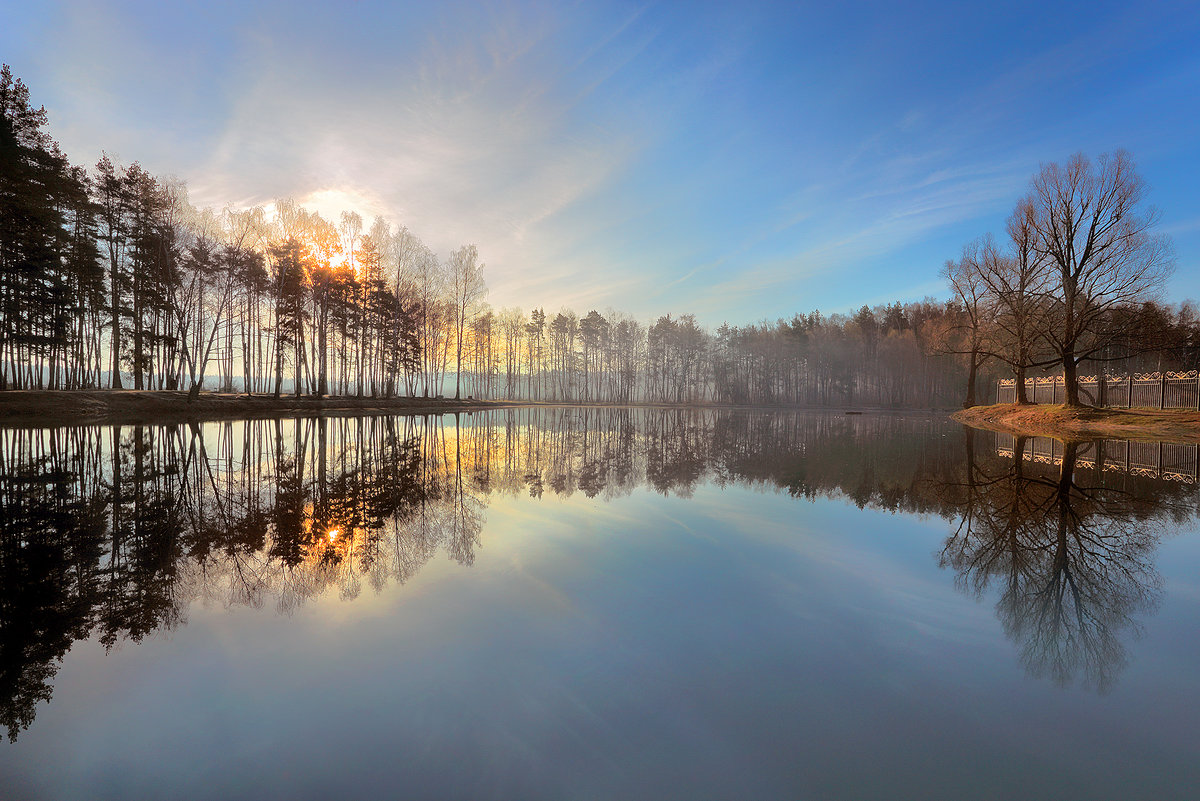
[(1198, 390), (1162, 390), (1129, 395), (1100, 386)]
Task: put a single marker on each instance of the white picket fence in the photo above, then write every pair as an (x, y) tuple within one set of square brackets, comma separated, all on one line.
[(1165, 390)]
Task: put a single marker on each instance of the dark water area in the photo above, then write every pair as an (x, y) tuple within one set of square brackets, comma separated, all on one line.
[(596, 603)]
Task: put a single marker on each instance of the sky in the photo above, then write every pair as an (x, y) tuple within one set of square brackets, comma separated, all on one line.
[(739, 161)]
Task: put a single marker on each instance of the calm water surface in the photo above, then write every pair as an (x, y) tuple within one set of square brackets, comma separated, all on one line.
[(596, 604)]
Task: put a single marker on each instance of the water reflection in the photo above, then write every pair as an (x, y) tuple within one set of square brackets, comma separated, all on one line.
[(1069, 549), (113, 532)]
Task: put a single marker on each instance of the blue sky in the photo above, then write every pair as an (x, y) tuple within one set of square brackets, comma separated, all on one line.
[(739, 161)]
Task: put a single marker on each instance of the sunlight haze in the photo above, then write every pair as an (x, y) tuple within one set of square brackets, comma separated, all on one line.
[(739, 163)]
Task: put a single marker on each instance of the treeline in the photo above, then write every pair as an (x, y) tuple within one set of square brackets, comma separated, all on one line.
[(109, 277), (110, 271), (887, 356)]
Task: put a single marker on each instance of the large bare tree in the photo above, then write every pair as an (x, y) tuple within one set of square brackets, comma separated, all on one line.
[(1098, 239)]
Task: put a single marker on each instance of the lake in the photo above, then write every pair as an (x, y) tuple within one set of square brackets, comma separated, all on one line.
[(570, 603)]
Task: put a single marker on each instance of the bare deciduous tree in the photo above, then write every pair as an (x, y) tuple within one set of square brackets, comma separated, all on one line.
[(466, 282), (966, 281), (1099, 243), (1016, 284)]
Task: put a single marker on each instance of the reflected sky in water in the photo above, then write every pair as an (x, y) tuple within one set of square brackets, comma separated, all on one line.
[(596, 605)]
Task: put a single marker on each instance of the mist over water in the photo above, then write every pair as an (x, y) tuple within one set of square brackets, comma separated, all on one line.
[(590, 602)]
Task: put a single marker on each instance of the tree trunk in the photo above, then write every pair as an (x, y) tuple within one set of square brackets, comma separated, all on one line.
[(1022, 397), (971, 379), (1070, 379)]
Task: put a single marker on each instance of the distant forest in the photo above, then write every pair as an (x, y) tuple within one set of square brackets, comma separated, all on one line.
[(109, 277)]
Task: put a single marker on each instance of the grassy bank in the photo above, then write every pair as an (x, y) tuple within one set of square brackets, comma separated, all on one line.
[(50, 407), (1085, 423)]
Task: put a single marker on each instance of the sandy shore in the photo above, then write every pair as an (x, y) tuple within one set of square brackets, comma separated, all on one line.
[(1085, 423)]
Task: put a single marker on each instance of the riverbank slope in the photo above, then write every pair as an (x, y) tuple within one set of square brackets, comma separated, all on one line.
[(1085, 423)]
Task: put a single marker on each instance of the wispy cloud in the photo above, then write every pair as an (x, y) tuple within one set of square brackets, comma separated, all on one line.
[(471, 132), (740, 163)]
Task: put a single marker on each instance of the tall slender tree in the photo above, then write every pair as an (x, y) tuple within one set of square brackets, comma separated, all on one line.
[(468, 288)]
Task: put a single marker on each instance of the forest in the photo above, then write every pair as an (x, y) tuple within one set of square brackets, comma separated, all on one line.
[(111, 278)]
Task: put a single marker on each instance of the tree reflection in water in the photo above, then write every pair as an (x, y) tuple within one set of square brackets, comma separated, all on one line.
[(113, 532), (1070, 549)]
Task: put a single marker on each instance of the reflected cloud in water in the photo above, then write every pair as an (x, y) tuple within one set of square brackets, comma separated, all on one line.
[(114, 532)]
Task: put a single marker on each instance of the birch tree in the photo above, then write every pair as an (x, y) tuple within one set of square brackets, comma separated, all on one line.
[(468, 288)]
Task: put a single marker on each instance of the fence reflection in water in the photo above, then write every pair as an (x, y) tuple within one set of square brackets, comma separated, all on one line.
[(1167, 461)]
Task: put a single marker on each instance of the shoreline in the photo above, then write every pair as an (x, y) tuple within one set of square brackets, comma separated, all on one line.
[(37, 408), (47, 407), (1086, 423)]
